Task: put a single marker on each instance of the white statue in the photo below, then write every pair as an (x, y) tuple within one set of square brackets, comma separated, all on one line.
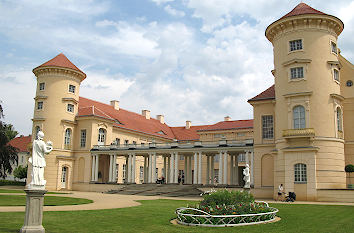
[(247, 178), (40, 148)]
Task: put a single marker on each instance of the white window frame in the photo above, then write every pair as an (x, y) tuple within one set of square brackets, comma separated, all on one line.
[(336, 78), (40, 105), (300, 173), (301, 120), (83, 136), (339, 117), (101, 136), (297, 72), (70, 108), (336, 47), (266, 129), (67, 137), (296, 49), (72, 89), (124, 172), (41, 86), (141, 173)]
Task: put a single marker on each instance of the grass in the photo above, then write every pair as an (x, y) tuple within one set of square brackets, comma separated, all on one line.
[(20, 200), (154, 216), (21, 191)]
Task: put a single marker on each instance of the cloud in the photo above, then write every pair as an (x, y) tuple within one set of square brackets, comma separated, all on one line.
[(173, 11), (159, 2)]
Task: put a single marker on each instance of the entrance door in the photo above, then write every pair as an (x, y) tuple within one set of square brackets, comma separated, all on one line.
[(64, 177)]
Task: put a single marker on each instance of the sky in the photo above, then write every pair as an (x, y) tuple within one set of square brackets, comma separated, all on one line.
[(197, 60)]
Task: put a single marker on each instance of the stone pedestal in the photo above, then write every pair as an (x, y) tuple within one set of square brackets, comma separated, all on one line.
[(34, 211)]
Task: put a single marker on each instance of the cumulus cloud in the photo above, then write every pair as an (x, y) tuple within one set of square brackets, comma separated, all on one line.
[(173, 11)]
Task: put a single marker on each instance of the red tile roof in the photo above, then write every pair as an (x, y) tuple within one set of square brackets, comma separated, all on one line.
[(265, 95), (303, 9), (228, 125), (183, 134), (123, 118), (61, 61), (21, 143)]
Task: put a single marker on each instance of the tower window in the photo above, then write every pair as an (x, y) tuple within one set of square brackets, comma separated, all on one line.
[(299, 117), (300, 173), (67, 138), (70, 108), (72, 89), (39, 105), (334, 47), (41, 86), (339, 119), (267, 127), (349, 83), (83, 138), (336, 75), (295, 45), (297, 72)]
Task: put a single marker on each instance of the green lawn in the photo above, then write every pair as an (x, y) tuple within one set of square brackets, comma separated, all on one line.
[(154, 216), (20, 200), (21, 191)]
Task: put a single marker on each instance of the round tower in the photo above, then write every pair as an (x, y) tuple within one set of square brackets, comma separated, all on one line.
[(308, 109), (56, 105)]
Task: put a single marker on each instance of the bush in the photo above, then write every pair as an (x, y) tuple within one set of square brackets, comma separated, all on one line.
[(349, 168), (224, 197), (20, 172), (12, 182)]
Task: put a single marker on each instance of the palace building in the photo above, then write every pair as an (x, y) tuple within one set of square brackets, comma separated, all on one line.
[(300, 136)]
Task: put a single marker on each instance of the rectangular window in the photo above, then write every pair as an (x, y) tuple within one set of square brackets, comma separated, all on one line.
[(267, 127), (83, 138), (70, 108), (141, 173), (72, 89), (300, 174), (295, 45), (41, 86), (39, 105), (219, 135), (334, 47), (117, 171), (336, 74), (157, 172), (216, 158), (241, 158), (297, 72), (216, 175), (124, 171)]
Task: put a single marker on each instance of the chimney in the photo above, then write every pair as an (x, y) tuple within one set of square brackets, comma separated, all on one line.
[(146, 114), (161, 118), (227, 118), (115, 104), (188, 124)]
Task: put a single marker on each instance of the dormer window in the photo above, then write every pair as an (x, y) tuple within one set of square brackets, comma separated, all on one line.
[(296, 72), (334, 47), (336, 75), (295, 45), (72, 89)]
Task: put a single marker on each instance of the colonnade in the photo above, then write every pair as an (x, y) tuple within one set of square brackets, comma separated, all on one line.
[(227, 163)]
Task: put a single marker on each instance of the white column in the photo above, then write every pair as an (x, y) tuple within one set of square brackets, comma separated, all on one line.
[(195, 178), (185, 169), (93, 167), (232, 170), (110, 168), (168, 170), (129, 167), (172, 165), (225, 167), (146, 174), (176, 167), (208, 170), (212, 169), (199, 168), (252, 171), (114, 177), (164, 167), (153, 168), (220, 168), (190, 178), (96, 167), (236, 170), (133, 168), (150, 168)]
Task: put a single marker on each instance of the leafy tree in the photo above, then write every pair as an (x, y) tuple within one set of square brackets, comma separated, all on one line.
[(20, 172), (11, 133), (8, 154), (349, 168)]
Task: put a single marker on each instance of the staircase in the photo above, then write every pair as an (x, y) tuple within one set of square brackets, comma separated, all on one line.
[(168, 190)]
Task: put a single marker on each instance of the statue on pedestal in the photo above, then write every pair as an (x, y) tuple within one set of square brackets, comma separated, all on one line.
[(247, 178), (40, 148)]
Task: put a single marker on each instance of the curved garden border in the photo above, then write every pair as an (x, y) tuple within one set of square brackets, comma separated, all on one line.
[(207, 220)]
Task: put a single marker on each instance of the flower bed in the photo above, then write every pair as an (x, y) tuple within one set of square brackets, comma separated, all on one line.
[(224, 208)]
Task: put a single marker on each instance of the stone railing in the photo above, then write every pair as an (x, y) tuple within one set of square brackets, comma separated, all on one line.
[(298, 133)]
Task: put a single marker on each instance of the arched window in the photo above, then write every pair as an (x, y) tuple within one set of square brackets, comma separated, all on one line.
[(101, 136), (67, 138), (300, 173), (339, 119), (37, 130), (299, 117)]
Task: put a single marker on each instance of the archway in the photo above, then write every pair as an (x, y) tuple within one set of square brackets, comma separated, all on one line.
[(267, 171)]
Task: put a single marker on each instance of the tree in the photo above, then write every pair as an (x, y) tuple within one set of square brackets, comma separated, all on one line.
[(8, 153), (10, 132), (349, 169), (20, 172)]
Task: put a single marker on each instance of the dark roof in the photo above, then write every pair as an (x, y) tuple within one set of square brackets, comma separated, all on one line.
[(21, 142), (228, 125), (265, 95)]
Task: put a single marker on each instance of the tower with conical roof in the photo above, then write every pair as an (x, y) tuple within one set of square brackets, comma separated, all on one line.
[(56, 105), (308, 103)]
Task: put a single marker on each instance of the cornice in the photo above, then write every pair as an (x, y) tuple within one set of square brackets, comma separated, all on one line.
[(59, 71)]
